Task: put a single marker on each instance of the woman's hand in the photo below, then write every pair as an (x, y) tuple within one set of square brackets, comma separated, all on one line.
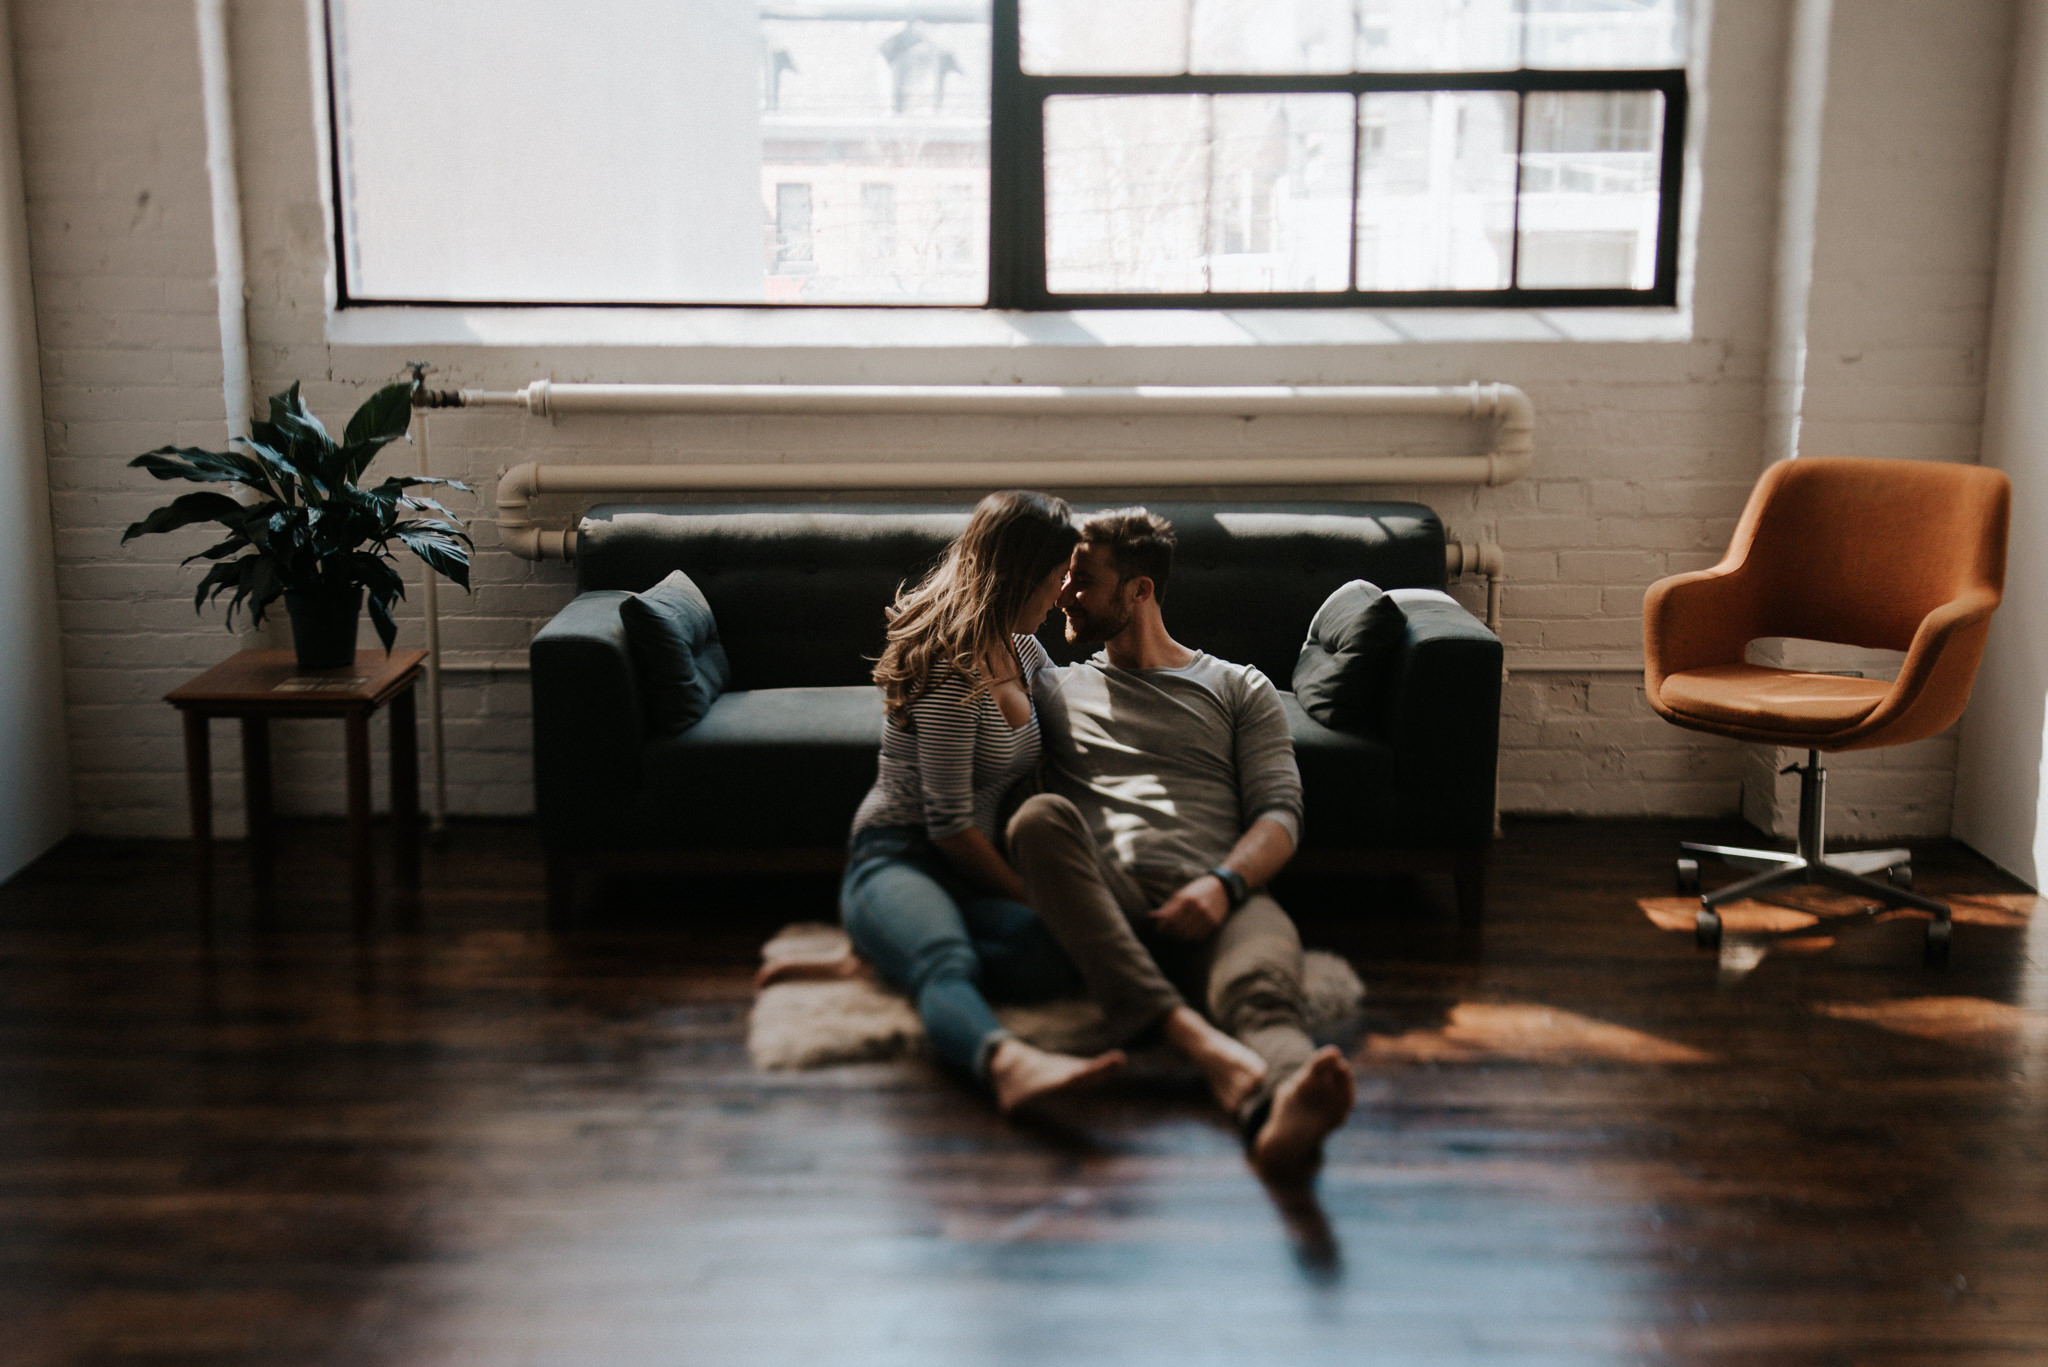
[(971, 852)]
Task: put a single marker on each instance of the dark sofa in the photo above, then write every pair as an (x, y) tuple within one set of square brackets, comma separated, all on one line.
[(770, 777)]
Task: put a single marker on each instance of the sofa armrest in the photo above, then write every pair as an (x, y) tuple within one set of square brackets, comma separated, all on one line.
[(1443, 721), (588, 724)]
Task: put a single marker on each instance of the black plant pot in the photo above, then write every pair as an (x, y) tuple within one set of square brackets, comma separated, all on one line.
[(324, 627)]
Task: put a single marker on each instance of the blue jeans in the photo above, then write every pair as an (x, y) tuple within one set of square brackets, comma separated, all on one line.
[(931, 933)]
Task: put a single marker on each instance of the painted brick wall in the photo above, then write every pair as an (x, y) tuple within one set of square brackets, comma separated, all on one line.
[(1645, 449)]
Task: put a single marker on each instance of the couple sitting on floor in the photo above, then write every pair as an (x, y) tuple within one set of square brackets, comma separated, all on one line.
[(1171, 797)]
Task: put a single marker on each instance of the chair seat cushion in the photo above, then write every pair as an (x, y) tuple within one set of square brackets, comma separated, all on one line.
[(1757, 698)]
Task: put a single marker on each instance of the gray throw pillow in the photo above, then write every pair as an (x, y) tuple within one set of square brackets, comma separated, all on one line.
[(675, 647), (1341, 677)]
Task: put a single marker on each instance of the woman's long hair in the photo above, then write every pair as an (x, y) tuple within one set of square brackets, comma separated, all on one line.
[(960, 614)]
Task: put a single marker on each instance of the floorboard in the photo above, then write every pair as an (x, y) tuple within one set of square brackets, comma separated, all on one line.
[(463, 1141)]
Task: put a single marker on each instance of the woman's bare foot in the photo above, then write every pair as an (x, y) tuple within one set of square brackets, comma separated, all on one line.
[(847, 965), (1232, 1069), (1307, 1108), (1023, 1073)]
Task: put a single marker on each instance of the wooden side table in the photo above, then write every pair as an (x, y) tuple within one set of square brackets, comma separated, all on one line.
[(257, 685)]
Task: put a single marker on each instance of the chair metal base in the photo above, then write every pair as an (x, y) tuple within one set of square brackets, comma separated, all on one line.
[(1810, 865)]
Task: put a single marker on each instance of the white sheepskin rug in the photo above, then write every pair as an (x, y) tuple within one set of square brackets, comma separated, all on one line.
[(858, 1020)]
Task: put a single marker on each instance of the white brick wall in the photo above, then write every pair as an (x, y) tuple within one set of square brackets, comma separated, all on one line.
[(1645, 449)]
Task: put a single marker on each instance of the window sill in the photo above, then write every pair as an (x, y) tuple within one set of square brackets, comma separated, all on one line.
[(942, 329)]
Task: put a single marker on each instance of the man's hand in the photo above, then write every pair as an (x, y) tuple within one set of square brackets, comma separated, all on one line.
[(1194, 912)]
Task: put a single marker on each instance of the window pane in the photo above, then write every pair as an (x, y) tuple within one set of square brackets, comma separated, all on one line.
[(1280, 193), (1605, 33), (1197, 193), (1272, 35), (1439, 35), (1126, 193), (883, 112), (1590, 176), (722, 151), (1436, 191), (1094, 37)]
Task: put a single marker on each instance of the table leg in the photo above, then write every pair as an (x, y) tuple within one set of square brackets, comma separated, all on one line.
[(256, 801), (199, 796), (359, 882), (405, 790)]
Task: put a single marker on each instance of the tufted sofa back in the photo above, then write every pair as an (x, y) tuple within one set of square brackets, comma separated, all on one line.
[(798, 590)]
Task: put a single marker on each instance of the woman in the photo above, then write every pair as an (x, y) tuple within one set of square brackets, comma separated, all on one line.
[(928, 897)]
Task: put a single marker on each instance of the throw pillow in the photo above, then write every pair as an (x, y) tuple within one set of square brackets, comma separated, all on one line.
[(675, 647), (1341, 677)]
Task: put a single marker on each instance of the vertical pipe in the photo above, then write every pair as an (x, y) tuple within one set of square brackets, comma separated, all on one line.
[(430, 602), (216, 84)]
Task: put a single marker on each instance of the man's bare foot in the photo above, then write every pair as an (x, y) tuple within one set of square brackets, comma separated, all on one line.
[(1306, 1109), (1232, 1069), (847, 965), (1023, 1073)]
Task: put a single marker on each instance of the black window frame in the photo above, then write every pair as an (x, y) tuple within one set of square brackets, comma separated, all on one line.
[(1016, 195), (1017, 278)]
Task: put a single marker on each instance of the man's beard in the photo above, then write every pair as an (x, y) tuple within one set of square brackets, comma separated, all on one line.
[(1097, 627)]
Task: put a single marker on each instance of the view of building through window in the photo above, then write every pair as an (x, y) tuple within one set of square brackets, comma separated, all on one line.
[(839, 151)]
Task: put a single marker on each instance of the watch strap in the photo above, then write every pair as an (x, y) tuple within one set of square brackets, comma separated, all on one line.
[(1235, 889)]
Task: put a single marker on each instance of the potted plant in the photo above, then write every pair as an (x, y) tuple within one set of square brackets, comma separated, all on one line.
[(313, 535)]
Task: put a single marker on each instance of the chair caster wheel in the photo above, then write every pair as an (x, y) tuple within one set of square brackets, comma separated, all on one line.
[(1706, 929), (1937, 943), (1688, 877), (1900, 876)]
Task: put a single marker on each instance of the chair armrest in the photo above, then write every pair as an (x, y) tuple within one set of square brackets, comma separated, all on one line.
[(1934, 681), (1690, 621), (588, 725), (1443, 721)]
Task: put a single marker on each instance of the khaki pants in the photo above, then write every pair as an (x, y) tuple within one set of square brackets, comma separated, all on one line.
[(1247, 975)]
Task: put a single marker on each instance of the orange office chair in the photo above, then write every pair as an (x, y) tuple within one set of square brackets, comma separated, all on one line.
[(1888, 554)]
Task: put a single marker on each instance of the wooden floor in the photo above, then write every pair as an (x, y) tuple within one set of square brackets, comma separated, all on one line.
[(1579, 1141)]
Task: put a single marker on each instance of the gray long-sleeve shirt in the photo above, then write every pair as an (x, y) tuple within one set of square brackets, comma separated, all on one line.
[(1169, 766)]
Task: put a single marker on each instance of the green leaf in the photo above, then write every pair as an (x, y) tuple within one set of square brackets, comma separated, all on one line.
[(384, 417), (262, 586), (393, 489), (220, 577), (439, 550), (185, 510), (237, 542), (279, 473), (380, 618), (201, 467), (377, 575)]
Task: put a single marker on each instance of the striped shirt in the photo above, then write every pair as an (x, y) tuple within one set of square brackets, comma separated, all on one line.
[(949, 764)]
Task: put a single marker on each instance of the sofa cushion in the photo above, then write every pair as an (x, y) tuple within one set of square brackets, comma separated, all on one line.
[(1341, 676), (674, 640), (779, 768)]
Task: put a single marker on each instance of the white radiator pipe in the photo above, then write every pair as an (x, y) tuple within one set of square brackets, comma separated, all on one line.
[(216, 84), (1479, 558), (437, 791), (1506, 406)]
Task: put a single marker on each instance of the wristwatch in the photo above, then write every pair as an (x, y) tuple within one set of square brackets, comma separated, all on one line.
[(1235, 889)]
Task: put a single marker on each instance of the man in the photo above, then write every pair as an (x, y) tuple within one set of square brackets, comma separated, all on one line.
[(1172, 798)]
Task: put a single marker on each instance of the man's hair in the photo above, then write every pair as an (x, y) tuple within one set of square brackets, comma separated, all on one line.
[(1138, 541)]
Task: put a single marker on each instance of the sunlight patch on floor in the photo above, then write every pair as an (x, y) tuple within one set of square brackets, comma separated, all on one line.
[(1967, 1020), (1478, 1031), (1803, 907)]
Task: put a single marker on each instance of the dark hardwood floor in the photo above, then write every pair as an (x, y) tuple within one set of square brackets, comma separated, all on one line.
[(1579, 1140)]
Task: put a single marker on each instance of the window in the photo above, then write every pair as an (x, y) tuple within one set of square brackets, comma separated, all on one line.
[(1021, 153)]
